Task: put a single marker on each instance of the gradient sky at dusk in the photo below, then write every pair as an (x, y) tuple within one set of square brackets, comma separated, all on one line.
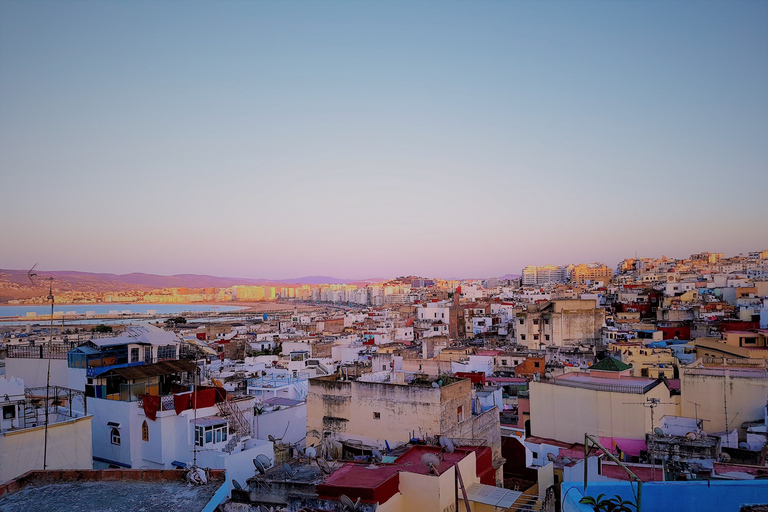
[(376, 139)]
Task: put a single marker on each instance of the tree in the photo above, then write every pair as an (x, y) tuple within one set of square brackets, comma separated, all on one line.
[(102, 328)]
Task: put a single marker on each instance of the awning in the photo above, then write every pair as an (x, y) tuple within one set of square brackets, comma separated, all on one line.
[(631, 447), (490, 495)]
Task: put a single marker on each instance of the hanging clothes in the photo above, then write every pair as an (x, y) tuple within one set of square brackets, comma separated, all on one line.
[(151, 406)]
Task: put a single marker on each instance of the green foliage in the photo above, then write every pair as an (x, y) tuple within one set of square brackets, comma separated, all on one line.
[(102, 328), (615, 504)]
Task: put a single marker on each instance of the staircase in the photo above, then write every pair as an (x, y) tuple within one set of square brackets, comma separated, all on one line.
[(302, 390), (237, 420)]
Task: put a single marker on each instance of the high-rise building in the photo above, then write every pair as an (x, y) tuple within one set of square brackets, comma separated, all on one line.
[(547, 274)]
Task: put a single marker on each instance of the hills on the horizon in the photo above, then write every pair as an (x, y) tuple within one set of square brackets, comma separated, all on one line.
[(16, 284)]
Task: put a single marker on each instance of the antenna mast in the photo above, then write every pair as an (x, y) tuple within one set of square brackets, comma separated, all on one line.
[(48, 376)]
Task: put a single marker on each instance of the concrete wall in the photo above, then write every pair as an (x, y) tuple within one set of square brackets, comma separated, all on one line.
[(35, 371), (744, 397), (69, 447), (566, 413), (275, 423), (347, 410)]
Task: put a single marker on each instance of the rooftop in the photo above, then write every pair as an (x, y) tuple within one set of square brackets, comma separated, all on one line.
[(112, 490)]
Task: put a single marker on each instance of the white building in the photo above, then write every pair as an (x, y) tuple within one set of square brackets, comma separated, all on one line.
[(22, 431)]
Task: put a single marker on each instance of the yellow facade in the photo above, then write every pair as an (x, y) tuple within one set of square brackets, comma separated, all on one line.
[(566, 413)]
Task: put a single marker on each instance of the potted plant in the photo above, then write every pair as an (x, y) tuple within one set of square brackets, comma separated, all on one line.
[(615, 504)]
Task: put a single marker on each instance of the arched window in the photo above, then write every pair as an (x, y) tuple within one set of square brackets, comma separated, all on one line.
[(114, 436), (144, 431)]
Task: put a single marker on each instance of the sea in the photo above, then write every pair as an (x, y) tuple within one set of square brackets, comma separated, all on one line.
[(105, 309)]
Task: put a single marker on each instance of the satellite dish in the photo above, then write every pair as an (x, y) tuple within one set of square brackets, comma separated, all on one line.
[(566, 460), (724, 457), (259, 466), (432, 461), (348, 503), (447, 444), (435, 385), (265, 461), (299, 449), (551, 457), (744, 445), (377, 456), (658, 431), (237, 485), (323, 465), (289, 471), (311, 452), (703, 433), (691, 436)]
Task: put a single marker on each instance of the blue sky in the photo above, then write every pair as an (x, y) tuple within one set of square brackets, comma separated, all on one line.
[(360, 139)]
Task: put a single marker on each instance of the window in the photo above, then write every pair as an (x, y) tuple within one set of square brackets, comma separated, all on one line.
[(546, 321), (536, 364), (147, 354), (546, 337), (144, 431), (522, 337), (114, 436), (165, 352), (535, 455), (503, 362), (383, 367), (210, 434), (135, 355), (460, 413), (536, 337), (9, 412), (377, 415), (536, 321), (522, 321)]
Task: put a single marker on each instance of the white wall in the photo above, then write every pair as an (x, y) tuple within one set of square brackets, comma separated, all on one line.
[(69, 447), (275, 423), (34, 371)]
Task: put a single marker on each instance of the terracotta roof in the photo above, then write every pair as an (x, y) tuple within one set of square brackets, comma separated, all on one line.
[(610, 364)]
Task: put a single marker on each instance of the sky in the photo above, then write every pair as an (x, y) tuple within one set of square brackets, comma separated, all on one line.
[(271, 139)]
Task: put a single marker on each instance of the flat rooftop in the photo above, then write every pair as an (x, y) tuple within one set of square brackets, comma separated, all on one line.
[(114, 490)]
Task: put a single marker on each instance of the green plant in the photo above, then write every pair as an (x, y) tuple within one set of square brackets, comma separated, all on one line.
[(615, 504)]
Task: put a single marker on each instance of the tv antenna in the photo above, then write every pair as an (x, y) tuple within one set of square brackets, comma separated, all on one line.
[(30, 275)]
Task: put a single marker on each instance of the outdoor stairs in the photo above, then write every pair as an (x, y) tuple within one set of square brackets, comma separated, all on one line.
[(237, 420)]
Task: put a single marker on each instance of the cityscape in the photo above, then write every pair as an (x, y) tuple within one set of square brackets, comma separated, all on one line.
[(384, 256)]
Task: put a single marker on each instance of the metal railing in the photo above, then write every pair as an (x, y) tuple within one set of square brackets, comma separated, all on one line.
[(42, 350), (611, 388)]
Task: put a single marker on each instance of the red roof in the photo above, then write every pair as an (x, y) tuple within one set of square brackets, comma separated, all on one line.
[(379, 484)]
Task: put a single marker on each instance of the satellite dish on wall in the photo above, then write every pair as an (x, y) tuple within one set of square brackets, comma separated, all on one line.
[(259, 466), (658, 431), (237, 485), (377, 456)]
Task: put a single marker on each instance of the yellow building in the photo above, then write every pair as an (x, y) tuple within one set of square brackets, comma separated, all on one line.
[(383, 406), (560, 323), (646, 361), (593, 273), (604, 401), (722, 390)]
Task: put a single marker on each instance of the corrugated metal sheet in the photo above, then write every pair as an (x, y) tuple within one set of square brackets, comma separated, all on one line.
[(494, 496), (151, 370)]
